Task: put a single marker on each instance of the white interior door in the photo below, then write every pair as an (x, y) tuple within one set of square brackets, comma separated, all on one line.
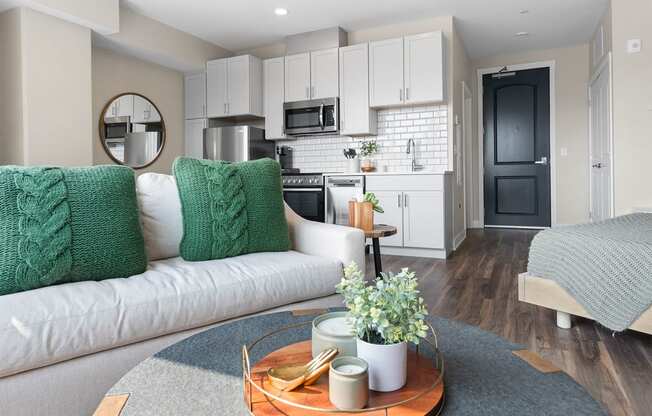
[(600, 157)]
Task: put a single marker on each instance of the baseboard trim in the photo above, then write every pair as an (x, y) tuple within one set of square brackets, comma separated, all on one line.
[(415, 252), (459, 239)]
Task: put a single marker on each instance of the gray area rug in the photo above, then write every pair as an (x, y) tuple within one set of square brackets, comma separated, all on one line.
[(202, 375)]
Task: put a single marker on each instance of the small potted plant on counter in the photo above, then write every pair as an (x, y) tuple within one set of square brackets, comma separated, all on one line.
[(367, 150), (386, 315)]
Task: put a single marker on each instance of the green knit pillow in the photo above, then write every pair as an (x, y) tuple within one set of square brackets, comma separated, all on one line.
[(230, 208), (63, 225)]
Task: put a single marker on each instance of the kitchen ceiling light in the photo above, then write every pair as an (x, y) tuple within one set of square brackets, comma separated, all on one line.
[(522, 34), (279, 11)]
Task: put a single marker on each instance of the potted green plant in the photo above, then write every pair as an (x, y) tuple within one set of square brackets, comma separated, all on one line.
[(368, 148), (386, 315)]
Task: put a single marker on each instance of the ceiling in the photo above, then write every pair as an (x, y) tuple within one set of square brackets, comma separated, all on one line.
[(487, 28)]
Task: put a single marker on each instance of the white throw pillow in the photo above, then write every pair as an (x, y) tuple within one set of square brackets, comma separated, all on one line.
[(160, 215)]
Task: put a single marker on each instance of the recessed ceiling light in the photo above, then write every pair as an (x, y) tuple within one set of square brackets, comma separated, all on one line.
[(279, 11), (524, 11), (522, 34)]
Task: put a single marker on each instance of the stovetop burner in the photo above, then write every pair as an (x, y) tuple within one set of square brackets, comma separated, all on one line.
[(303, 180)]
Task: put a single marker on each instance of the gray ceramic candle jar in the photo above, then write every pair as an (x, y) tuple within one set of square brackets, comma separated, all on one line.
[(331, 330), (348, 383)]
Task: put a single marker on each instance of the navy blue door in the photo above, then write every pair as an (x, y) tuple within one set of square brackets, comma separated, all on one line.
[(517, 148)]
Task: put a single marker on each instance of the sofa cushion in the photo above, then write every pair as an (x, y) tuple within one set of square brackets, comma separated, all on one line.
[(63, 225), (160, 215), (52, 324), (230, 208)]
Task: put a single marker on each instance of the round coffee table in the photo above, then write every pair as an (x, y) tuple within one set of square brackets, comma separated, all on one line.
[(202, 375), (379, 231)]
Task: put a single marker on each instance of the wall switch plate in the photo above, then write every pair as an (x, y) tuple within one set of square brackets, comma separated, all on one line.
[(564, 151), (633, 46)]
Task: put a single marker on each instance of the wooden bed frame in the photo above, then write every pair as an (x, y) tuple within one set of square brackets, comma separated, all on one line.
[(546, 293)]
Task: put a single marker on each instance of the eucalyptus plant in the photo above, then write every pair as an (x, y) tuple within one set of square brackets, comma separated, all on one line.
[(371, 197), (387, 311), (368, 148)]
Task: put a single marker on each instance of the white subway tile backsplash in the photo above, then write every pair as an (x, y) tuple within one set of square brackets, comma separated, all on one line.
[(427, 125)]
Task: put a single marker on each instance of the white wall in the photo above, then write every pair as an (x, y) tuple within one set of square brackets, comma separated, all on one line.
[(114, 74), (632, 112), (99, 15), (11, 114), (572, 75)]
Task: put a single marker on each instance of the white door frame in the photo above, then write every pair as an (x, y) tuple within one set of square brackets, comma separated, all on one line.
[(467, 126), (553, 134), (605, 65)]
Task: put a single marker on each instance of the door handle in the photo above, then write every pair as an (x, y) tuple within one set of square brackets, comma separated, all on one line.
[(321, 116), (400, 94), (407, 94), (399, 200), (542, 161), (597, 165), (405, 200)]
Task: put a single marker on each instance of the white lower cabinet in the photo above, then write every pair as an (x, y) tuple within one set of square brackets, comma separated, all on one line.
[(419, 206), (392, 203), (194, 138), (423, 219)]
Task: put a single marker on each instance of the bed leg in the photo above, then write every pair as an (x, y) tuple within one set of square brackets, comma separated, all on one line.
[(563, 320)]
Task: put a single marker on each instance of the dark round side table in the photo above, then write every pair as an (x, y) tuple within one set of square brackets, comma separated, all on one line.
[(379, 231)]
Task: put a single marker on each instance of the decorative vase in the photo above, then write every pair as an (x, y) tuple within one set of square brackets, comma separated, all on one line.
[(361, 215), (367, 165), (387, 364)]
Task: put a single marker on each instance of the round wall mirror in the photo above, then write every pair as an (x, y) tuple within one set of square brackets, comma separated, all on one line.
[(132, 130)]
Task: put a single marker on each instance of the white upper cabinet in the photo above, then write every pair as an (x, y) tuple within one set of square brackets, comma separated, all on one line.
[(144, 111), (386, 72), (297, 77), (355, 116), (324, 73), (273, 97), (424, 68), (234, 87), (216, 88), (122, 106), (195, 96), (407, 71)]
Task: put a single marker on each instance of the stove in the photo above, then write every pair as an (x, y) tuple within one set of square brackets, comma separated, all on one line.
[(302, 180), (304, 193)]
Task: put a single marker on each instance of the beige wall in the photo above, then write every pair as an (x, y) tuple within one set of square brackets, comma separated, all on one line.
[(50, 91), (99, 15), (572, 72), (632, 111), (11, 129), (115, 73), (151, 40)]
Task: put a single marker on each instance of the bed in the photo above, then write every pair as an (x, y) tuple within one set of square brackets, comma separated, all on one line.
[(601, 271)]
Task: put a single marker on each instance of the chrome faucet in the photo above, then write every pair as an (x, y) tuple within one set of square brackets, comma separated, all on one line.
[(412, 150)]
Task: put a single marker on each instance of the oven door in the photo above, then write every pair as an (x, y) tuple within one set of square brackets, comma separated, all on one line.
[(307, 202), (312, 117)]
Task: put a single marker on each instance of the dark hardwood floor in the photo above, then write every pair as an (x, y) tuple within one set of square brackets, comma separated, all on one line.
[(478, 285)]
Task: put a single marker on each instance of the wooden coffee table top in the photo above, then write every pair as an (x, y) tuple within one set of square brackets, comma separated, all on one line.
[(421, 375), (381, 230)]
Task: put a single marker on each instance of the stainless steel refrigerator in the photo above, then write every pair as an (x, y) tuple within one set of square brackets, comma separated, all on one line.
[(237, 144)]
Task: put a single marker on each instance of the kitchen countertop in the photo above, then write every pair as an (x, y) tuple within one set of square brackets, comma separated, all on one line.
[(419, 172)]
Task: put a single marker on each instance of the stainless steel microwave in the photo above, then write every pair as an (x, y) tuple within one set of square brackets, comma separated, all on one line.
[(312, 117)]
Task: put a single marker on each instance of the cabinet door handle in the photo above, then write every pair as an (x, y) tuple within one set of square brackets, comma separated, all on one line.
[(224, 108), (405, 200), (203, 109), (407, 94), (307, 92), (399, 200), (312, 92)]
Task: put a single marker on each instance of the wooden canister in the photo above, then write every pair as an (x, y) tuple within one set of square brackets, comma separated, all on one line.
[(352, 210), (364, 216)]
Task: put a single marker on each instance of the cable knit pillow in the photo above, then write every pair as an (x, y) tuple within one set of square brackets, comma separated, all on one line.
[(230, 208), (63, 225)]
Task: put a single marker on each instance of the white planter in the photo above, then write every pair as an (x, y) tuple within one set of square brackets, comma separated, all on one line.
[(353, 165), (387, 364)]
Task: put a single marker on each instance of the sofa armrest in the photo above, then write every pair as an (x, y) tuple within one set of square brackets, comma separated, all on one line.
[(345, 244)]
